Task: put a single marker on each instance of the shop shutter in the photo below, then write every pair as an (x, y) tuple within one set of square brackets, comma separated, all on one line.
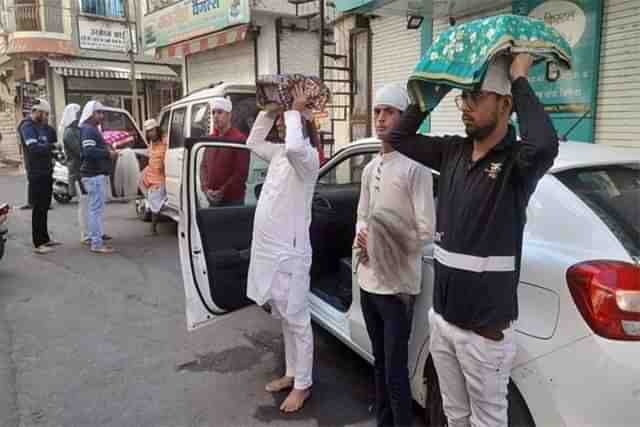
[(299, 52), (618, 105), (446, 117), (395, 51), (231, 64)]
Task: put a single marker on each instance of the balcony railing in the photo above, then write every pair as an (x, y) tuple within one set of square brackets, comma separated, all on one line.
[(34, 17)]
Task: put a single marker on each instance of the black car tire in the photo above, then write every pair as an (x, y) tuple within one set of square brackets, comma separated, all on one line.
[(63, 199), (518, 413)]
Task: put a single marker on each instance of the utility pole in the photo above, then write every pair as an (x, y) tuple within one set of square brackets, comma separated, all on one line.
[(132, 61), (322, 41)]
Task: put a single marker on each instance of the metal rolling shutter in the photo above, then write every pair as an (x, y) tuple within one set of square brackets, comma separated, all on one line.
[(233, 63), (299, 52), (618, 105), (445, 119), (395, 51)]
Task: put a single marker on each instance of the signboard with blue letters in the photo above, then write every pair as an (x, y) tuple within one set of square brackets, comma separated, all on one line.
[(571, 100)]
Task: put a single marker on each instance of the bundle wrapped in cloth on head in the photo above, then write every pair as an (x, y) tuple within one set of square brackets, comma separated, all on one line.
[(461, 56), (274, 92)]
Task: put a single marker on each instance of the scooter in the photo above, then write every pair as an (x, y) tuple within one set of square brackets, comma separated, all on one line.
[(61, 179), (4, 214)]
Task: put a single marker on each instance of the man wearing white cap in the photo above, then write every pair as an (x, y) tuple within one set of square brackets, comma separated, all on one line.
[(486, 180), (396, 217), (223, 172), (153, 176), (97, 158), (37, 147)]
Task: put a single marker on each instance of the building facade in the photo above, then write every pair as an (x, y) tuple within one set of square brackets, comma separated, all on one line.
[(76, 51), (595, 102)]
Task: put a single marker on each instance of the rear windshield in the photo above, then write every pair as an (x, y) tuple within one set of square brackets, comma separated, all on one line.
[(613, 193)]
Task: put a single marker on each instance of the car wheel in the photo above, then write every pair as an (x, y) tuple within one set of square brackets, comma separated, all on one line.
[(518, 413), (63, 199), (142, 212)]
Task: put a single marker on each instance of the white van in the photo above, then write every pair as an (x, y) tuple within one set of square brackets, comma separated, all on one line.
[(190, 117)]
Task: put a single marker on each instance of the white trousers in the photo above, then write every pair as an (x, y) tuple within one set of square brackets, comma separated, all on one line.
[(298, 335), (473, 373), (83, 208)]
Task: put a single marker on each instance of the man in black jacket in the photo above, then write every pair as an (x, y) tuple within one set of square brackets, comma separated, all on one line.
[(486, 180), (38, 144)]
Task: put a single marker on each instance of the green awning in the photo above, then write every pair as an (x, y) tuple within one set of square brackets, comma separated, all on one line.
[(361, 5)]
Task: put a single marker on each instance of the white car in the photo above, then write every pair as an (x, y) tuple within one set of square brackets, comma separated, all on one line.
[(578, 333), (190, 117)]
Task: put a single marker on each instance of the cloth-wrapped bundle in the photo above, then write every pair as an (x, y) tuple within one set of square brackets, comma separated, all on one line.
[(460, 56), (117, 138), (274, 91)]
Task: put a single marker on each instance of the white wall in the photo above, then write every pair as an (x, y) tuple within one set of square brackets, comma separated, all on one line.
[(267, 54)]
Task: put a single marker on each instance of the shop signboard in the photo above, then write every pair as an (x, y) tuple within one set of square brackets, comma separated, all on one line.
[(192, 18), (104, 35), (571, 99)]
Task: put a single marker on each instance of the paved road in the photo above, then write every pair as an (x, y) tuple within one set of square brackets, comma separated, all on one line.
[(89, 340)]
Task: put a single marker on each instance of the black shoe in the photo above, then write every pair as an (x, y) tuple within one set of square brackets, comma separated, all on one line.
[(106, 237), (26, 207)]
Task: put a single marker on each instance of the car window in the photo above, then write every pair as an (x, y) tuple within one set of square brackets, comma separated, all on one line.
[(245, 111), (200, 120), (613, 193), (119, 127), (228, 176), (164, 122), (176, 138), (348, 171)]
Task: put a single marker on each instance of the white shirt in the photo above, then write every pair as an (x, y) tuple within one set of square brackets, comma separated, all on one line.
[(281, 241), (397, 209)]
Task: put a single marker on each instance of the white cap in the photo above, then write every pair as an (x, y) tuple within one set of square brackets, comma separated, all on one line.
[(88, 110), (392, 95), (497, 78), (150, 124), (41, 105), (220, 103)]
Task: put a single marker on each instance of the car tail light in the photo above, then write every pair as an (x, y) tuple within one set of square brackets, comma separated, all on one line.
[(607, 294)]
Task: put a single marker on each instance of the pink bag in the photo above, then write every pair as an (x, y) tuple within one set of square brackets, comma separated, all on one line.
[(274, 91)]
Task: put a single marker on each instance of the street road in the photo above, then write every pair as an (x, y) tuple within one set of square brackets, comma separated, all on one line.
[(89, 340)]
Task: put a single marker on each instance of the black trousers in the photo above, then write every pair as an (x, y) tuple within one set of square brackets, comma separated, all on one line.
[(388, 319), (40, 190)]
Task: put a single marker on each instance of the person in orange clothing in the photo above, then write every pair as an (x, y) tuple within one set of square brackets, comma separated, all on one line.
[(153, 177), (224, 171)]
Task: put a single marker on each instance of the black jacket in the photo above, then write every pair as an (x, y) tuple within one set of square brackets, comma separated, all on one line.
[(73, 149), (37, 143), (481, 210), (96, 159)]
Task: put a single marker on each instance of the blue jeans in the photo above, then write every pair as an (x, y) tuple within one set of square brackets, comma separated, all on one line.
[(95, 187)]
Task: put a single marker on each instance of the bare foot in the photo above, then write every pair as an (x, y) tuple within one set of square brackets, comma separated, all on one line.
[(295, 401), (280, 384)]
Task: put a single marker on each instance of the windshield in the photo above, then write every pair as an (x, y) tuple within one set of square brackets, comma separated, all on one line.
[(613, 193)]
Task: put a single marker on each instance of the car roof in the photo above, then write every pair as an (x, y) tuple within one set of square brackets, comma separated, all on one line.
[(206, 94), (571, 154)]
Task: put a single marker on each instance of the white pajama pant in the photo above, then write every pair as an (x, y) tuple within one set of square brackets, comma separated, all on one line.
[(473, 372), (298, 335)]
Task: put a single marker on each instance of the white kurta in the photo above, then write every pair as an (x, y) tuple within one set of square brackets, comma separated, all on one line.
[(281, 242)]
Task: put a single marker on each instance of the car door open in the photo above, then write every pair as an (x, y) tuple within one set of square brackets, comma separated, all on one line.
[(220, 191)]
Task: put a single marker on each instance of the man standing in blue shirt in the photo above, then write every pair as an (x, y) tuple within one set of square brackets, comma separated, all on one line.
[(97, 159), (37, 145)]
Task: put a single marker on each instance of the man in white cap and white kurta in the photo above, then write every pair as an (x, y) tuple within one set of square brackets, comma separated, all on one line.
[(281, 246), (396, 217)]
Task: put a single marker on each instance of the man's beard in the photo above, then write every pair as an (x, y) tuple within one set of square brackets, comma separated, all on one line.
[(480, 133)]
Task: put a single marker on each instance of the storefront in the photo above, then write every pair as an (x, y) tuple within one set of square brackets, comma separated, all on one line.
[(78, 80), (597, 101)]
